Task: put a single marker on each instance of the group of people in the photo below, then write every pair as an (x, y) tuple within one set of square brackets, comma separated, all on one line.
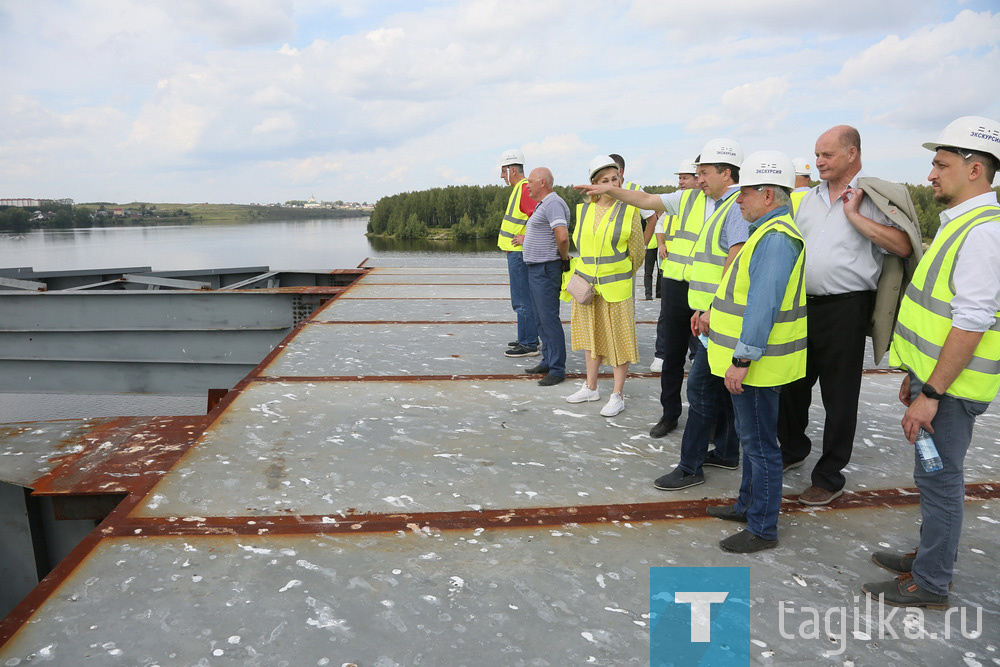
[(770, 286)]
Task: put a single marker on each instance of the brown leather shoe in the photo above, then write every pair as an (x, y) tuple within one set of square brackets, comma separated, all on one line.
[(816, 495), (903, 591)]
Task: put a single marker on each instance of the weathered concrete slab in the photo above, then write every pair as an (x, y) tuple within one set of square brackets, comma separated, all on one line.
[(392, 349), (574, 594), (366, 291), (436, 279), (439, 446), (430, 310)]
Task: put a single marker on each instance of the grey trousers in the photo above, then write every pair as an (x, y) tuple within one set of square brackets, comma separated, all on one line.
[(942, 493)]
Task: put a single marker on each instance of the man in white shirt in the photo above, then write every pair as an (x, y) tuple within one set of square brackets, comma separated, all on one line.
[(948, 339), (846, 237)]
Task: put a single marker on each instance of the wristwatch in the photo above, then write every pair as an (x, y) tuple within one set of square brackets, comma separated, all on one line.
[(741, 363), (931, 392)]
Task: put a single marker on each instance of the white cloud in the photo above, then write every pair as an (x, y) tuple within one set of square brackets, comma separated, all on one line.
[(237, 101)]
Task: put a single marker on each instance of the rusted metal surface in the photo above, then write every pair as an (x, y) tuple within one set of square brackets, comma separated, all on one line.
[(122, 455), (351, 522)]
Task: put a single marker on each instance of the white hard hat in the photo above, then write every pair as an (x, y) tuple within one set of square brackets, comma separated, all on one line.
[(686, 167), (768, 168), (973, 133), (600, 162), (513, 156), (721, 151), (802, 168)]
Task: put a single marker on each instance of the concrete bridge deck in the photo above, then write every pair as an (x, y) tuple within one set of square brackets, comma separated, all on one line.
[(387, 488)]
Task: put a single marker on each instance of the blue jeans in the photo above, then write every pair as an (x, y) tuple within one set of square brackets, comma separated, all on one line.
[(544, 283), (520, 300), (760, 491), (942, 493), (709, 405)]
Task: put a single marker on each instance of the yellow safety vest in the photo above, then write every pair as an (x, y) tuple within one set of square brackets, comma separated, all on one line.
[(925, 315), (673, 223), (513, 220), (652, 239), (708, 259), (604, 261), (784, 357), (691, 219), (796, 198)]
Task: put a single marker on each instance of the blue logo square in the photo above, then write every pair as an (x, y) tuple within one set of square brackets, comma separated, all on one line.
[(699, 616)]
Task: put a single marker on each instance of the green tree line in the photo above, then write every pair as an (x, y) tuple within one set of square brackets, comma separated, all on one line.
[(475, 211), (470, 211)]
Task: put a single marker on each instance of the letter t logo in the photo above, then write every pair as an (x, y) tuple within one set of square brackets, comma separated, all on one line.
[(701, 611)]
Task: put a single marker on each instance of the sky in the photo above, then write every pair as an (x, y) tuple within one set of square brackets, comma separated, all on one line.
[(270, 100)]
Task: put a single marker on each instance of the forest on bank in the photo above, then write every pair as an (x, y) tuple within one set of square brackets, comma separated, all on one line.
[(466, 212)]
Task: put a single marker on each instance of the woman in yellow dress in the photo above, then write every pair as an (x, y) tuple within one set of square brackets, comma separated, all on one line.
[(610, 239)]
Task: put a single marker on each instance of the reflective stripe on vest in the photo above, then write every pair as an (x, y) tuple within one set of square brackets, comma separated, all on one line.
[(708, 260), (604, 260), (513, 220), (925, 315), (652, 239), (670, 227), (677, 266), (784, 357), (796, 198)]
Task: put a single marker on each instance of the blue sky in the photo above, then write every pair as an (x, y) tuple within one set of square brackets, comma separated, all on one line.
[(269, 100)]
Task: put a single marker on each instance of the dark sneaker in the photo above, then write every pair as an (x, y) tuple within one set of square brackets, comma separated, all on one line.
[(521, 351), (677, 480), (793, 465), (895, 563), (817, 495), (712, 460), (513, 343), (903, 591), (551, 379), (662, 428), (537, 370), (727, 512), (745, 542)]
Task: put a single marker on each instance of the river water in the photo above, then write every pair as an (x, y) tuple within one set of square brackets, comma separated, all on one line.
[(294, 245), (304, 245)]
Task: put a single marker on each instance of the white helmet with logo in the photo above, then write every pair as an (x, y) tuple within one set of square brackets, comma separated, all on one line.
[(600, 162), (513, 156), (768, 168), (721, 151), (973, 133), (802, 168), (686, 167)]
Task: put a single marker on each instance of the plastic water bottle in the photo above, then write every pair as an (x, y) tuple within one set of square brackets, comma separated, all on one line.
[(704, 340), (929, 457)]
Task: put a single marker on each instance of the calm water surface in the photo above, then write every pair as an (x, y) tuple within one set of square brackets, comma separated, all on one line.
[(303, 245)]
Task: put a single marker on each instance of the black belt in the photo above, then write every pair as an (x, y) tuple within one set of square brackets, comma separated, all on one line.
[(830, 298)]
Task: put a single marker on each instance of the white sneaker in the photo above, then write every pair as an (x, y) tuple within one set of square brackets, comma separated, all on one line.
[(615, 405), (584, 394), (657, 365)]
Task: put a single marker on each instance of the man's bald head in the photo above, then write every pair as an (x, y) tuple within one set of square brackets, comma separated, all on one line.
[(544, 174), (845, 135), (540, 183), (838, 153)]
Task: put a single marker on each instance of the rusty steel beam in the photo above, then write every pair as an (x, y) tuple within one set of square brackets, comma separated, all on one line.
[(501, 518)]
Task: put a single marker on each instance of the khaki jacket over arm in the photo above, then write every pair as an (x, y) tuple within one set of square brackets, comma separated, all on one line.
[(894, 201)]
